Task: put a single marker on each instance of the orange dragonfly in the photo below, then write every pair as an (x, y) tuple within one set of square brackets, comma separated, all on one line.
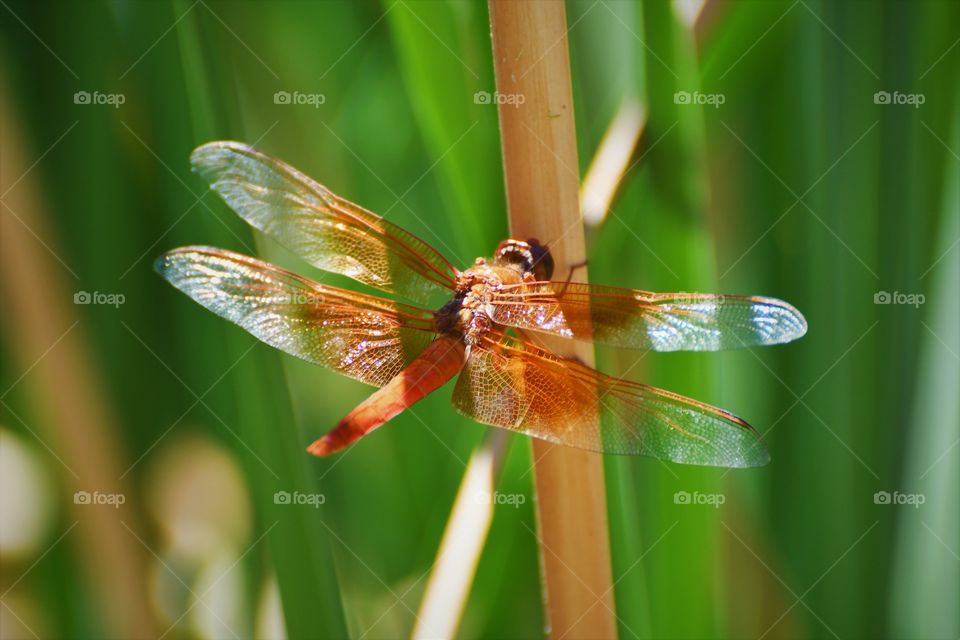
[(408, 351)]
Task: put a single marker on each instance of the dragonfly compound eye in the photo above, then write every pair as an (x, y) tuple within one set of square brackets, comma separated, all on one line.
[(541, 260)]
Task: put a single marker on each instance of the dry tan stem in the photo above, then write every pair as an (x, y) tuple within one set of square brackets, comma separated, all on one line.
[(68, 402), (540, 165), (463, 540)]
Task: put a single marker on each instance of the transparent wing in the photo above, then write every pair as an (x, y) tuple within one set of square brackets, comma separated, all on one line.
[(645, 320), (322, 228), (514, 385), (363, 337)]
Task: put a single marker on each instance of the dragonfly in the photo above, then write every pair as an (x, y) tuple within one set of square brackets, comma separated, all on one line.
[(485, 333)]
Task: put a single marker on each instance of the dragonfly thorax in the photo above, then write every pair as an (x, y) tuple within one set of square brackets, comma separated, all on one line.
[(468, 313)]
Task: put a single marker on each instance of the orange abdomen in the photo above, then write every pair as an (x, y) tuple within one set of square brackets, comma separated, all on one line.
[(439, 362)]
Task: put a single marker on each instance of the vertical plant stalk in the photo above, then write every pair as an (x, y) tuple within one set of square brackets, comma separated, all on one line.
[(67, 397), (612, 161), (297, 539), (542, 181), (463, 540)]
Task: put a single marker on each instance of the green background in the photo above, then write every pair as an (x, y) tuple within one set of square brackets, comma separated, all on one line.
[(798, 186)]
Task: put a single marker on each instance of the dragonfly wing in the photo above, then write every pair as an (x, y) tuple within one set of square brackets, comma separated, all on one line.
[(363, 337), (324, 229), (645, 320), (514, 385)]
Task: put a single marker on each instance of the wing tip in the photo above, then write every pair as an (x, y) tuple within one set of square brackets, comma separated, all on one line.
[(754, 452), (165, 261), (753, 455), (219, 145), (208, 155), (161, 263), (743, 446), (791, 323), (756, 456)]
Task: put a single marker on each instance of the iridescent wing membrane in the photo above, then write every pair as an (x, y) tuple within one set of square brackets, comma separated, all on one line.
[(645, 320), (364, 337), (514, 385), (322, 228)]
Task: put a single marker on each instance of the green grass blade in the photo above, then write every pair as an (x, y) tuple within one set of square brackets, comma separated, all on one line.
[(271, 446)]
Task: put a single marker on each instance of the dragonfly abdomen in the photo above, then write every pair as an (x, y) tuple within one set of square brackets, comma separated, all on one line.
[(439, 362)]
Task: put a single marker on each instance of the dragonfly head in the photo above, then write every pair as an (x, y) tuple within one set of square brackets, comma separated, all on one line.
[(528, 257)]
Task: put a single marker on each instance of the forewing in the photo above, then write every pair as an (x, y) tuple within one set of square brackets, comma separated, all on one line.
[(514, 385), (363, 337), (645, 320), (319, 226)]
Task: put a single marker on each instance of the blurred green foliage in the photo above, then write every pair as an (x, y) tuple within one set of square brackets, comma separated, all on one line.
[(799, 185)]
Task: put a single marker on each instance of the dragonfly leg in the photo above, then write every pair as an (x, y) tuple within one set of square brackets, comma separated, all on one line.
[(573, 269)]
